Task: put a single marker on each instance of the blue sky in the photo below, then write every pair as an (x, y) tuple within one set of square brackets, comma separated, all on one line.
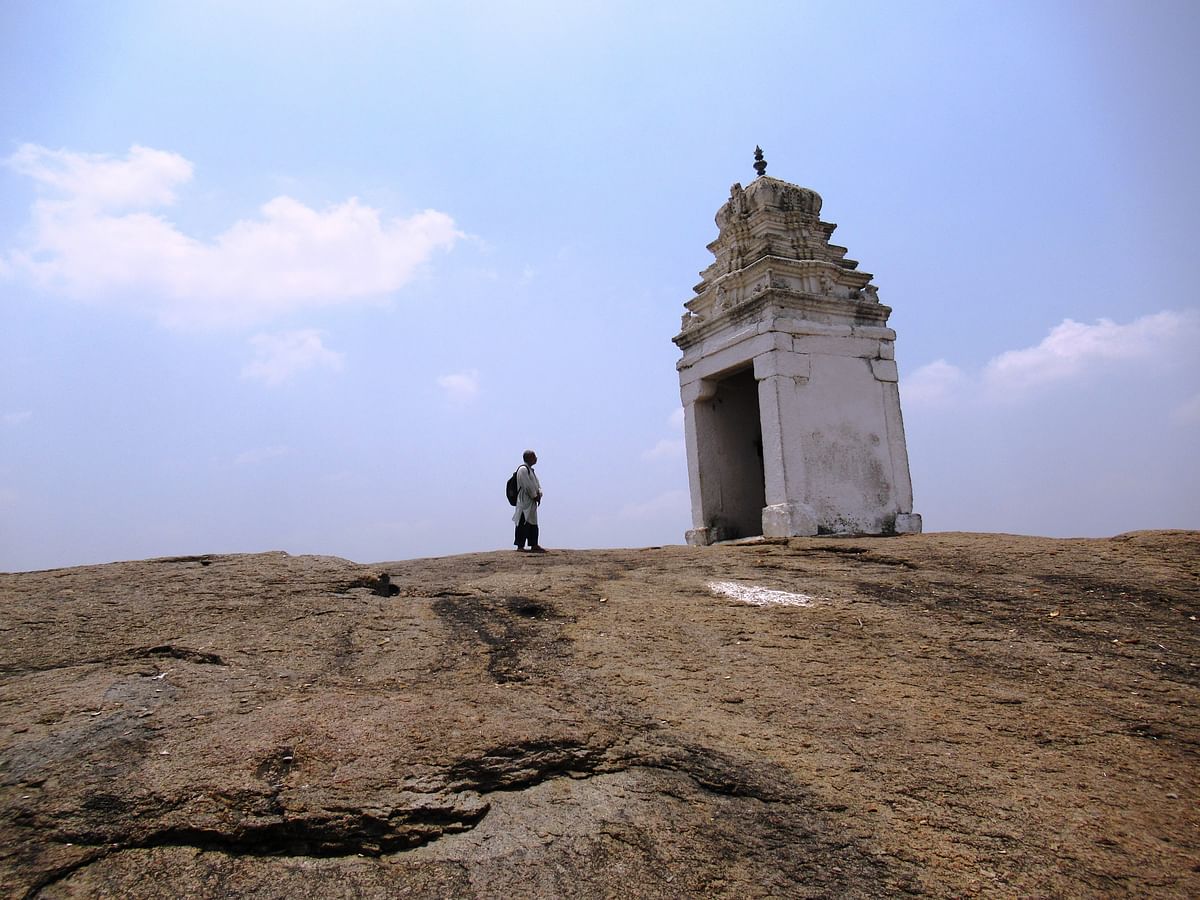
[(309, 276)]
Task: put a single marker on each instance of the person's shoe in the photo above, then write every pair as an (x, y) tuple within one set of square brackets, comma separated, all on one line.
[(537, 549), (522, 550)]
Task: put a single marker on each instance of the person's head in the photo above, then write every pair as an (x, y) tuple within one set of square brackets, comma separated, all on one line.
[(530, 457)]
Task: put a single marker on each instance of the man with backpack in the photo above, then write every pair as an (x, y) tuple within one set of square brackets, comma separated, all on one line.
[(528, 494)]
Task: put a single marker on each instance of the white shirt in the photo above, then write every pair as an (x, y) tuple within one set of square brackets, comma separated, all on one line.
[(528, 487)]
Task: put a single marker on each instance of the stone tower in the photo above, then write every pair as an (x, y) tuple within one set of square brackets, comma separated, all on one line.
[(788, 380)]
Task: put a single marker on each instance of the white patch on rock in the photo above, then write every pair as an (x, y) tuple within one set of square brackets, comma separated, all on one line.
[(759, 596)]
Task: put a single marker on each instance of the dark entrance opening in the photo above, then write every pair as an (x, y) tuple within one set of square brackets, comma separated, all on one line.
[(736, 483)]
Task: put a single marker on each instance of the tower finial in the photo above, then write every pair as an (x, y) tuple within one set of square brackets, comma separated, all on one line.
[(760, 164)]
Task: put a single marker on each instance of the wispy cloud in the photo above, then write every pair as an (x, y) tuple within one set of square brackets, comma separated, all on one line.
[(669, 448), (20, 417), (279, 357), (97, 234), (460, 387), (935, 384)]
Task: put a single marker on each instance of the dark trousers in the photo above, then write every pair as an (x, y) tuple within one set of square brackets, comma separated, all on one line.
[(525, 532)]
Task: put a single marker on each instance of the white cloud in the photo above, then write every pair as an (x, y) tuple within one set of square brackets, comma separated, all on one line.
[(669, 448), (261, 455), (145, 178), (16, 418), (94, 236), (935, 384), (278, 357), (460, 387), (665, 449), (1073, 348), (1188, 412)]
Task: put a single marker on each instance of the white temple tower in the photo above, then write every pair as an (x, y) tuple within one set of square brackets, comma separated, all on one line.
[(788, 380)]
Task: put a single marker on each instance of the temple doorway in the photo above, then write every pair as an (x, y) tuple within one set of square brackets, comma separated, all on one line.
[(736, 449)]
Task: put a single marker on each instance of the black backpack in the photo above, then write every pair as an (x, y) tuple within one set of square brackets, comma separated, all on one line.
[(511, 489)]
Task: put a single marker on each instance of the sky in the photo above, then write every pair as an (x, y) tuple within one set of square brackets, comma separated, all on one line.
[(309, 276)]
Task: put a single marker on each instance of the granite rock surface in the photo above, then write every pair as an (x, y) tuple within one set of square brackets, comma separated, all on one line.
[(934, 715)]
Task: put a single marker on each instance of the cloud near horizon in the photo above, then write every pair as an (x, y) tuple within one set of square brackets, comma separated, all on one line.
[(1071, 349), (97, 234), (669, 448)]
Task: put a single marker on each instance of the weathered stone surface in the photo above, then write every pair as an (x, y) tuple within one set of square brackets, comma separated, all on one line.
[(952, 715)]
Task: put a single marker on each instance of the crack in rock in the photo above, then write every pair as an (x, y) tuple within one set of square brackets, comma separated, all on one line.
[(518, 766), (204, 560), (266, 827), (380, 585), (170, 651), (331, 833)]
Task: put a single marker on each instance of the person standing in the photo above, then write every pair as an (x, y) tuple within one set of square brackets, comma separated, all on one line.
[(529, 496)]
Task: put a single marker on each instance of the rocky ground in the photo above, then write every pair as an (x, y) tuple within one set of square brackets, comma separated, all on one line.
[(948, 715)]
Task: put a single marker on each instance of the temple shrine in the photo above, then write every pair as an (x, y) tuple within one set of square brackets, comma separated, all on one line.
[(788, 380)]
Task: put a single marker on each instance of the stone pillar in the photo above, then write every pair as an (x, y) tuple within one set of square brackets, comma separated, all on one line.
[(781, 374), (694, 396)]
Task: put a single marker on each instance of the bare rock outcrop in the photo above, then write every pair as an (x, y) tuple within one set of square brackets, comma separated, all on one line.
[(941, 715)]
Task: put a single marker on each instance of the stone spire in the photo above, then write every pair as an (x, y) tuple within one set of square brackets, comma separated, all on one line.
[(772, 239)]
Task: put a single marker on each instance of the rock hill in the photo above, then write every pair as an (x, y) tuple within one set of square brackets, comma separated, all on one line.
[(936, 715)]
